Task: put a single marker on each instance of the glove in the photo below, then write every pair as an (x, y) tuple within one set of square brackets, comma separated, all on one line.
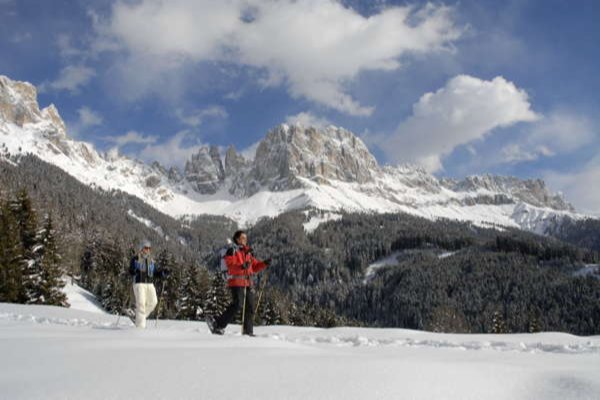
[(268, 261)]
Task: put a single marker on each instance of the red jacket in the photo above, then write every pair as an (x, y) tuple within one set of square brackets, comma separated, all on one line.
[(239, 277)]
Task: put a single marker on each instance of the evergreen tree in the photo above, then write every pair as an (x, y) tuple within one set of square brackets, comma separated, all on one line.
[(196, 285), (498, 323), (169, 289), (51, 282), (105, 272), (11, 256), (271, 311), (25, 216), (217, 298)]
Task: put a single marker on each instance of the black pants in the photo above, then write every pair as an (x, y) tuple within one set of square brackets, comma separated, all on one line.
[(237, 294)]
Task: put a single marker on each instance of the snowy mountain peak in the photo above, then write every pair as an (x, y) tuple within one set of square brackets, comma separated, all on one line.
[(205, 170), (295, 168), (18, 102), (321, 155), (531, 191)]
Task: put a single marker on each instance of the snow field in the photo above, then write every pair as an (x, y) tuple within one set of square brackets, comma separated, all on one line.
[(56, 353)]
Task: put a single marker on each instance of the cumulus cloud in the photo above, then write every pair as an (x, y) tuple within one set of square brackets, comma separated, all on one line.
[(315, 48), (307, 119), (71, 78), (196, 118), (131, 137), (464, 110), (580, 187), (174, 151)]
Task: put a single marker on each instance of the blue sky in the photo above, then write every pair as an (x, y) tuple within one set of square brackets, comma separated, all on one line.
[(460, 87)]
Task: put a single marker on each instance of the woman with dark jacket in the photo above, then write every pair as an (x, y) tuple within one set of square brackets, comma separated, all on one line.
[(143, 269)]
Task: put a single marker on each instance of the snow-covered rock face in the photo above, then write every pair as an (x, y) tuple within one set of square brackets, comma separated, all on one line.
[(295, 167), (289, 152), (530, 191), (18, 102), (205, 170)]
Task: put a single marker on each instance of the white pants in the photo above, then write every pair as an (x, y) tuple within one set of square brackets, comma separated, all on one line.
[(145, 301)]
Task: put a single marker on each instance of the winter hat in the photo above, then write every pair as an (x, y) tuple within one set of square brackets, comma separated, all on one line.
[(144, 244)]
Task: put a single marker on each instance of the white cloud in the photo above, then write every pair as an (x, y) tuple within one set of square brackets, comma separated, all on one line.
[(196, 118), (307, 119), (65, 46), (464, 110), (563, 131), (89, 117), (316, 48), (71, 78), (515, 153), (176, 151), (580, 187), (131, 137), (559, 133)]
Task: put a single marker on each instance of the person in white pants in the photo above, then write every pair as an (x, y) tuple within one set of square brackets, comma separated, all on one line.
[(145, 302), (143, 269)]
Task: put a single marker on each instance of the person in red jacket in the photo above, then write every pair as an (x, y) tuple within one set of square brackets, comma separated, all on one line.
[(241, 265)]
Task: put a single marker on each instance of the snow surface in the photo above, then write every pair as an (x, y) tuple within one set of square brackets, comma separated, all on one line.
[(57, 353), (392, 260), (146, 222), (81, 299), (589, 270), (314, 221)]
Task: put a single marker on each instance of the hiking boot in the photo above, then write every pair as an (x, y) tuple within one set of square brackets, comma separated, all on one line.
[(212, 326)]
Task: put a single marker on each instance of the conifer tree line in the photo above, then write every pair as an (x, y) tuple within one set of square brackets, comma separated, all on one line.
[(31, 269), (448, 276), (102, 235), (190, 292)]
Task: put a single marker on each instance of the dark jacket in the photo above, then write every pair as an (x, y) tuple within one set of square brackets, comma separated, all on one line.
[(144, 270)]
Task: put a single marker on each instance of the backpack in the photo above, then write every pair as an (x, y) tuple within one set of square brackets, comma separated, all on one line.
[(222, 252)]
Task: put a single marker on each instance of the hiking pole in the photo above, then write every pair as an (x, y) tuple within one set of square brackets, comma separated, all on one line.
[(262, 289), (127, 299), (162, 291), (244, 309)]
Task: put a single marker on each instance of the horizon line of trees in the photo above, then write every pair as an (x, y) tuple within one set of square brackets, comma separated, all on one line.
[(489, 281)]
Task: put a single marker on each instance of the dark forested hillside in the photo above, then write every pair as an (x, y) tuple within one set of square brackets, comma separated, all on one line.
[(584, 233), (447, 276), (82, 212)]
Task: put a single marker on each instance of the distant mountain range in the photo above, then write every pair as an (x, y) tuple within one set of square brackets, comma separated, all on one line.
[(328, 170)]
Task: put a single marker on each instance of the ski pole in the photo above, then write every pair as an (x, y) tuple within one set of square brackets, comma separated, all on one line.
[(127, 299), (162, 291), (260, 293), (244, 309)]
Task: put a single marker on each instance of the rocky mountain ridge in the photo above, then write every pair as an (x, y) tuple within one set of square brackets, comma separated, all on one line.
[(295, 167)]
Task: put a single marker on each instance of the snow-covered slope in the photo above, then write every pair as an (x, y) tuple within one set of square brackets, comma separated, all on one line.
[(80, 299), (295, 167), (56, 353)]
